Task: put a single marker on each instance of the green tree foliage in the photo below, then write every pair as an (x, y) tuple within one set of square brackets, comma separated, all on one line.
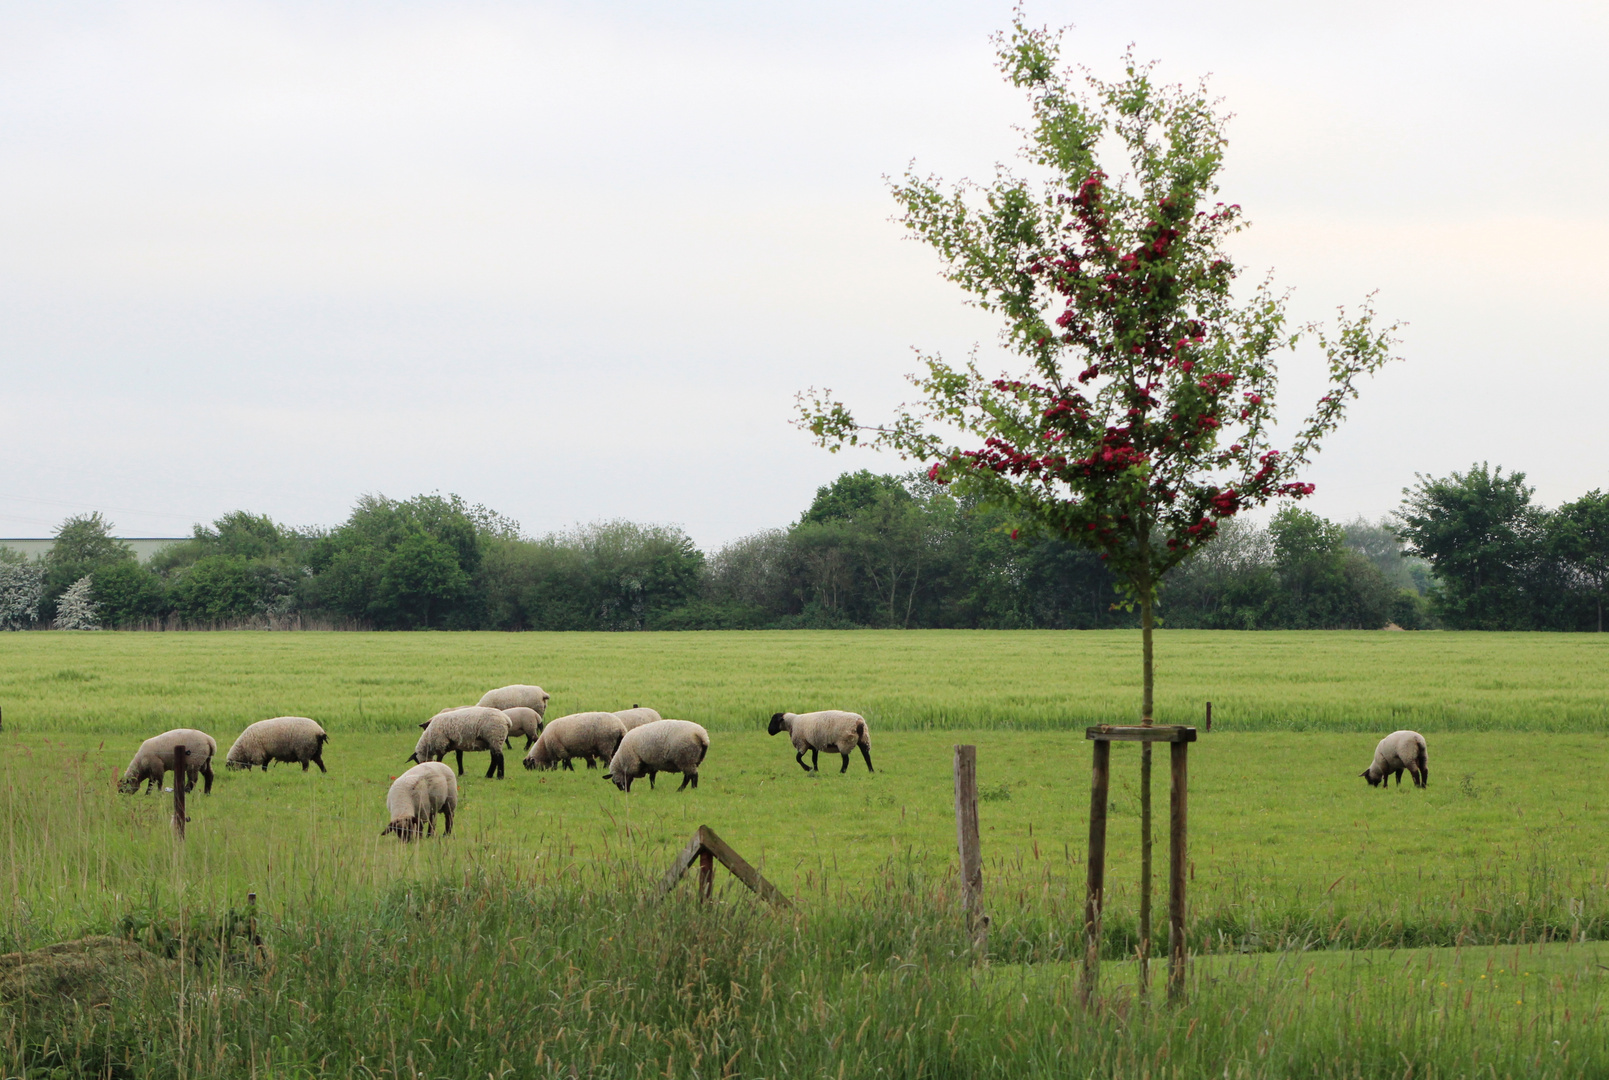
[(1578, 536), (400, 565), (1480, 534), (129, 595), (84, 544)]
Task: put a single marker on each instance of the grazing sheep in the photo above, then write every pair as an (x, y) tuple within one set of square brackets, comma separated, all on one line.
[(637, 716), (284, 738), (523, 721), (591, 735), (506, 697), (417, 796), (469, 728), (154, 760), (660, 746), (832, 730), (1398, 751)]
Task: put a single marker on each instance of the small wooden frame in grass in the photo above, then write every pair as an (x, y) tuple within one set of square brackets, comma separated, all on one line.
[(1179, 738), (706, 847)]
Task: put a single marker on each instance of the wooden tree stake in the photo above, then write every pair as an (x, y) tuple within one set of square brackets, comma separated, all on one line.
[(971, 849), (1100, 778), (180, 760), (1177, 866), (1180, 738)]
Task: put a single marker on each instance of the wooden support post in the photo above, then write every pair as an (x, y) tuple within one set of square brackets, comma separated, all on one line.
[(180, 768), (1209, 716), (971, 849), (1100, 778), (1178, 866), (706, 875), (705, 846)]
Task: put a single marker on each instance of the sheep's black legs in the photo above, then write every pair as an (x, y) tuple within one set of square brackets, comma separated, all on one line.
[(690, 778), (846, 764), (319, 761), (799, 757), (447, 812), (460, 754), (569, 765), (815, 760), (652, 776), (866, 752), (206, 771), (528, 742), (496, 766)]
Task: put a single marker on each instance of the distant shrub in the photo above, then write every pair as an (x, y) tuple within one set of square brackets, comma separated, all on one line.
[(21, 587), (77, 609)]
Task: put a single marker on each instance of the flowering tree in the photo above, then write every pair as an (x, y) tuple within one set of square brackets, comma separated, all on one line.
[(1143, 417), (22, 586), (77, 609)]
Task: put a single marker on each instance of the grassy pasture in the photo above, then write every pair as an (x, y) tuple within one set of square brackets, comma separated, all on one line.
[(1300, 872), (128, 683)]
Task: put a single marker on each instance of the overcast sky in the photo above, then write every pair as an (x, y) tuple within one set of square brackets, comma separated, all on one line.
[(573, 260)]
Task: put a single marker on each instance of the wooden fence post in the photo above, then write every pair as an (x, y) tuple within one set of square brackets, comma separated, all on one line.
[(180, 761), (1100, 779), (1209, 716), (971, 849), (706, 875), (1177, 867)]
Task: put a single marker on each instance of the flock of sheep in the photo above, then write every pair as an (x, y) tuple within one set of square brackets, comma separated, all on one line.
[(634, 743)]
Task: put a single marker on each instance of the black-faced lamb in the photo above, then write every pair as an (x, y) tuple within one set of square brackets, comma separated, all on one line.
[(471, 728), (591, 735), (1398, 751), (154, 760), (283, 738), (519, 695), (660, 746), (417, 796), (637, 716), (830, 730)]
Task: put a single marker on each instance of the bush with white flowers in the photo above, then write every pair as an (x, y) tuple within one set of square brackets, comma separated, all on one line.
[(76, 610), (21, 587)]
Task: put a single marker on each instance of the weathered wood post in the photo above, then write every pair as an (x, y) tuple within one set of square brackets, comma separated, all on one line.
[(706, 875), (1209, 716), (251, 919), (180, 761), (1100, 777), (1177, 867), (971, 848), (1180, 738)]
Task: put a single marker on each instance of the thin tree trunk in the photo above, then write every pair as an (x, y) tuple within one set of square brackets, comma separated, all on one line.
[(1149, 682)]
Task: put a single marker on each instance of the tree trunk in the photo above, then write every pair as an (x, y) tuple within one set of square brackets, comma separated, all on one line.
[(1146, 625)]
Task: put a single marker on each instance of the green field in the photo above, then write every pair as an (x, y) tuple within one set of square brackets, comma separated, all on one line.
[(127, 683), (1300, 873)]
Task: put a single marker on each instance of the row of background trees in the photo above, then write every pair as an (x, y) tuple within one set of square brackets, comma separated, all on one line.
[(1469, 551)]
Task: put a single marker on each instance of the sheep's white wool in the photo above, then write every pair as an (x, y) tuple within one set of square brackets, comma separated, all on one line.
[(469, 728), (675, 746), (154, 760), (520, 694), (590, 735), (637, 716), (829, 731), (1398, 752), (295, 739), (417, 796)]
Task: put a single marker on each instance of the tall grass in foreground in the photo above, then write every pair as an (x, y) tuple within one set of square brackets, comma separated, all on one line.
[(494, 973)]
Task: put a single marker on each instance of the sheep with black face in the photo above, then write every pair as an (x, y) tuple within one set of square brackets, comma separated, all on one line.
[(1399, 751), (831, 730)]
